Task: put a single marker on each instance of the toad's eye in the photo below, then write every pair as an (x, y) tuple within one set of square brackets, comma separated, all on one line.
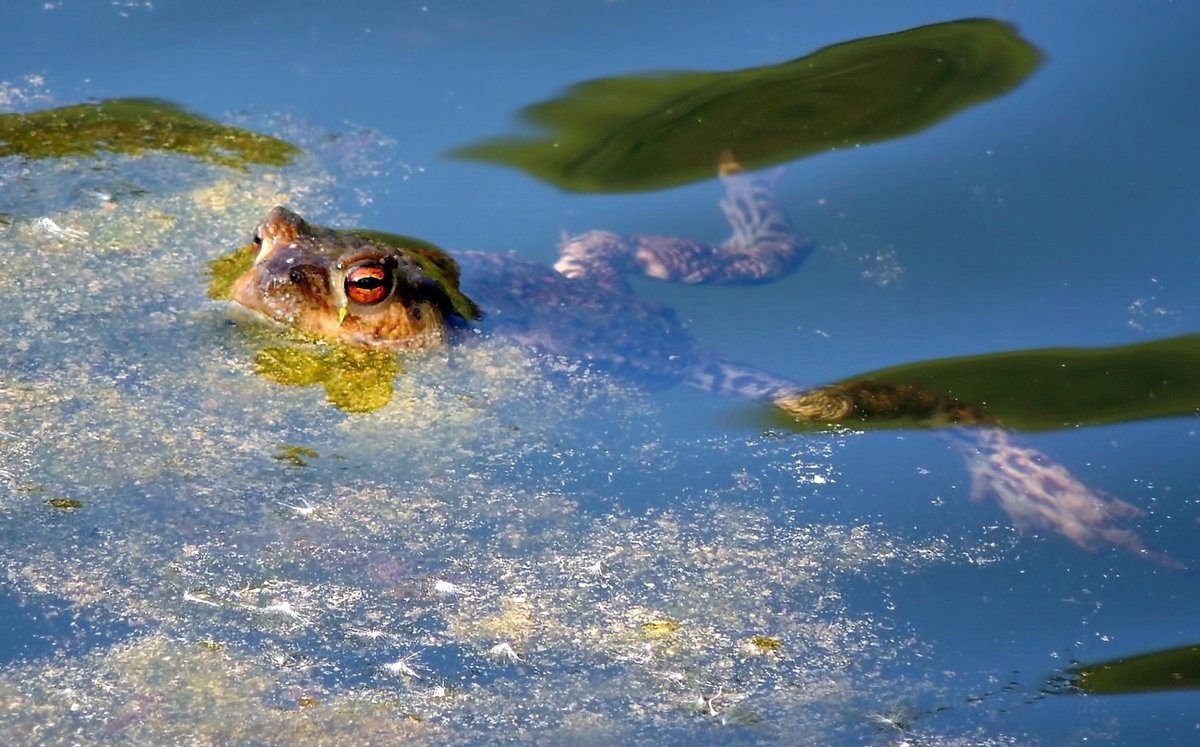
[(258, 237), (368, 283)]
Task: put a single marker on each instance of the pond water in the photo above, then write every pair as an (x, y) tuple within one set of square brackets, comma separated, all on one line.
[(515, 548)]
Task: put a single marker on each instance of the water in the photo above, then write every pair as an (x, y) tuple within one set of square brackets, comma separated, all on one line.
[(640, 553)]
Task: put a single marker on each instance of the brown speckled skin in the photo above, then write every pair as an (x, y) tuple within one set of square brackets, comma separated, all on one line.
[(298, 280)]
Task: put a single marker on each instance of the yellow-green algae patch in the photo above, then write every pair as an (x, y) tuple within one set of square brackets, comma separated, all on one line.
[(227, 268), (158, 691), (354, 379), (297, 456), (133, 127), (65, 504)]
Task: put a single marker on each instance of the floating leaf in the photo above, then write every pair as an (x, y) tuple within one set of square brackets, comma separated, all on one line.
[(1169, 669), (644, 132), (1052, 388)]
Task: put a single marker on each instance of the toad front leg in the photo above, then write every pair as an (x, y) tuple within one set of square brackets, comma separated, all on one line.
[(763, 246)]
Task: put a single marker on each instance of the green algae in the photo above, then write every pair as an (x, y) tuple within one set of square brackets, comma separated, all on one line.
[(65, 504), (297, 456), (225, 269), (355, 379), (135, 127)]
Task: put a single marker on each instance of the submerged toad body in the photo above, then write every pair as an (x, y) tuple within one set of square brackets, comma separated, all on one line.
[(367, 288), (372, 289)]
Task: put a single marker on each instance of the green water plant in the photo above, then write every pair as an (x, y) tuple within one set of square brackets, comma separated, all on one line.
[(135, 126)]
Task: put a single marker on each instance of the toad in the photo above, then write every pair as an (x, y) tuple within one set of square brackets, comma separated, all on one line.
[(366, 288)]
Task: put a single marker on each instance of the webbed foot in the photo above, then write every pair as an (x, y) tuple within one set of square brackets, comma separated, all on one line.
[(763, 245)]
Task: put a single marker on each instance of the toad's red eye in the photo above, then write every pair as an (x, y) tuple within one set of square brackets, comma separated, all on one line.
[(368, 283)]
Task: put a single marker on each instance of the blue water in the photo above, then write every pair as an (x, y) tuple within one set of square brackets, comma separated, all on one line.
[(1062, 214)]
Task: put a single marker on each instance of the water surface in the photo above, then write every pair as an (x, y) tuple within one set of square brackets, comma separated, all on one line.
[(513, 550)]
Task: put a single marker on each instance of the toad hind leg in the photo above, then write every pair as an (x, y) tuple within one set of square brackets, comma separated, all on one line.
[(1037, 493), (763, 246), (1034, 490)]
